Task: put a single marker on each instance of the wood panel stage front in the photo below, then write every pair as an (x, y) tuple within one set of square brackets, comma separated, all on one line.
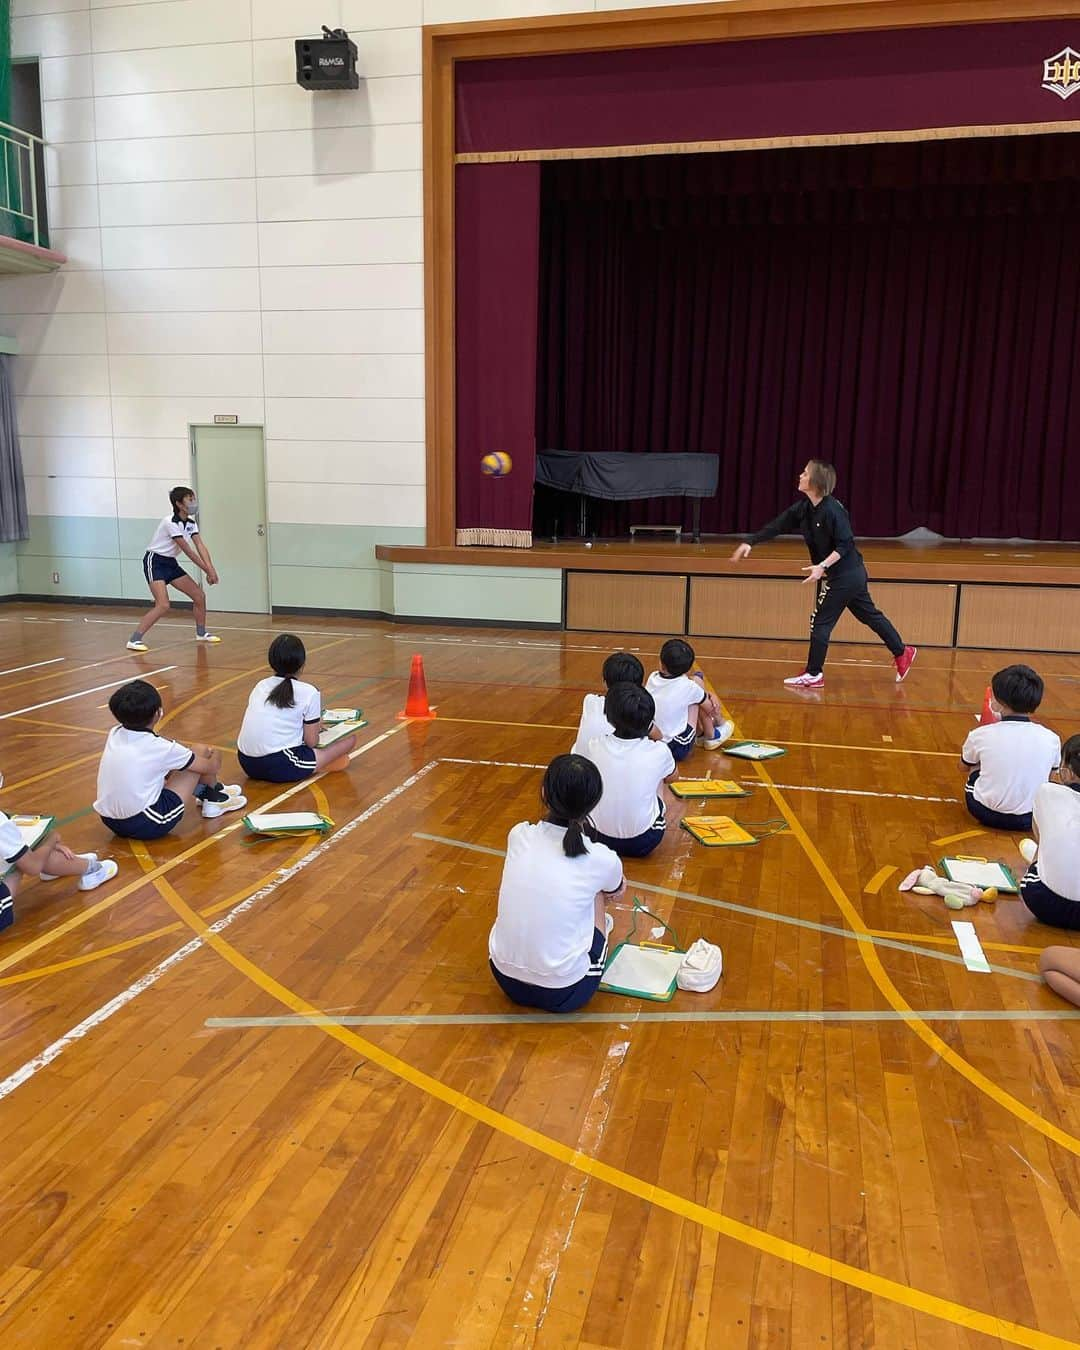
[(1022, 596)]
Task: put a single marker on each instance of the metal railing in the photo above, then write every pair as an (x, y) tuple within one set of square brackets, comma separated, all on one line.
[(20, 151)]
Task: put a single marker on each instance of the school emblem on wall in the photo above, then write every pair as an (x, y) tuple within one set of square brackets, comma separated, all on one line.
[(1061, 73)]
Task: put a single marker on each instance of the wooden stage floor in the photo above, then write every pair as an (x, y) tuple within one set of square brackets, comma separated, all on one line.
[(853, 1141)]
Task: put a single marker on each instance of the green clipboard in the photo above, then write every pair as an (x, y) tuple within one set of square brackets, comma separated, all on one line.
[(752, 750), (647, 970), (984, 872)]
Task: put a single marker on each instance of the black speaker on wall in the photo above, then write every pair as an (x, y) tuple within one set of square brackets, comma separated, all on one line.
[(328, 62)]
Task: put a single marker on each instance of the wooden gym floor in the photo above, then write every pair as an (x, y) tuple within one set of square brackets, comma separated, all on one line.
[(853, 1141)]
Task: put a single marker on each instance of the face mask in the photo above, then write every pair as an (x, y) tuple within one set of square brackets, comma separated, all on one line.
[(192, 507)]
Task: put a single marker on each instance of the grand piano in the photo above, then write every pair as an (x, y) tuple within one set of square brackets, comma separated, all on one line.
[(617, 476)]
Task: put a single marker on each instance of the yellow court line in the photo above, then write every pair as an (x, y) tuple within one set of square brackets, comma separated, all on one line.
[(941, 941), (89, 665), (102, 953), (896, 1000), (878, 880), (781, 1248), (51, 773), (494, 722), (869, 749), (955, 838)]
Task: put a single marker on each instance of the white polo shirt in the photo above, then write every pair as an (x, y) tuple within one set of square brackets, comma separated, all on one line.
[(1014, 757), (1057, 816), (632, 773), (132, 771), (544, 927), (266, 729), (12, 845), (593, 723), (169, 530), (674, 696)]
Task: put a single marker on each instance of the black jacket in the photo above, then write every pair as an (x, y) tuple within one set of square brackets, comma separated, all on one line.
[(826, 529)]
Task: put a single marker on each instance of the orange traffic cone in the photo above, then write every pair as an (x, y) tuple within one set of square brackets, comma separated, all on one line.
[(988, 716), (416, 701)]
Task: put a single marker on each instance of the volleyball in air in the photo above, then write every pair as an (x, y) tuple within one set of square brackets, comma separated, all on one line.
[(496, 465)]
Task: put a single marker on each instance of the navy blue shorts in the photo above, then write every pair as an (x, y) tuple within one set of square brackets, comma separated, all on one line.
[(986, 815), (642, 844), (566, 1000), (681, 745), (7, 908), (152, 823), (156, 567), (1047, 906), (283, 766)]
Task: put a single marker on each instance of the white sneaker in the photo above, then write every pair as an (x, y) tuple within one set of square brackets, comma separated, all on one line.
[(211, 810), (1029, 850), (207, 637), (91, 858), (805, 681), (104, 871), (134, 646)]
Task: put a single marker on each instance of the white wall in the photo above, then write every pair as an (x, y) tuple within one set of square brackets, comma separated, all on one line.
[(236, 245)]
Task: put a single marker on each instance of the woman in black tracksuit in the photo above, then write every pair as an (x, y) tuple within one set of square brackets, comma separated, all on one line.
[(836, 566)]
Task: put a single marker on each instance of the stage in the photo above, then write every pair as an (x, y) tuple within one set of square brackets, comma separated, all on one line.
[(1022, 596)]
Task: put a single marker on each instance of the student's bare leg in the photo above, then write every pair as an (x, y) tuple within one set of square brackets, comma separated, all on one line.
[(191, 588), (160, 592), (1060, 968), (184, 781), (329, 757)]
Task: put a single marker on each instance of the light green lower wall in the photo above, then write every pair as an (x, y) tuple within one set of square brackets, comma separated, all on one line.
[(9, 570), (311, 567)]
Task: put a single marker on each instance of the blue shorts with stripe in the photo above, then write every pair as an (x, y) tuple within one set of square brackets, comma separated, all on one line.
[(7, 907), (156, 567), (153, 822), (681, 745), (283, 766), (565, 1000)]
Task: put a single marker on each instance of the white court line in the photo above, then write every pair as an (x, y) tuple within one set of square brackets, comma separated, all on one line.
[(143, 674), (810, 1015), (26, 1071), (33, 665)]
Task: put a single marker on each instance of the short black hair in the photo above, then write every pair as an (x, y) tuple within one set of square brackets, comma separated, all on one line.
[(1019, 688), (623, 668), (1070, 755), (177, 495), (630, 709), (135, 705), (676, 656)]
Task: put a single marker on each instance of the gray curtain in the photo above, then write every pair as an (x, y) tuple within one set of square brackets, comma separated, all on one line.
[(14, 522)]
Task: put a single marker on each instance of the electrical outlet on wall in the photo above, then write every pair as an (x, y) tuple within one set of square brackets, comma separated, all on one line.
[(56, 578)]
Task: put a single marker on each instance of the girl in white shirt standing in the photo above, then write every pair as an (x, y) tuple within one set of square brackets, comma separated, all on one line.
[(278, 739), (549, 941)]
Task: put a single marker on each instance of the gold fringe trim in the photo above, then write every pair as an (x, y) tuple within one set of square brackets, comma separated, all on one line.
[(495, 538)]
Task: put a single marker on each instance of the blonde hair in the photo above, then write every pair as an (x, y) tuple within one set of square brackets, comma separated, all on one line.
[(822, 477)]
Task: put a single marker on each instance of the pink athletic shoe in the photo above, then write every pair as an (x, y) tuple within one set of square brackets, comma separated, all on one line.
[(805, 681), (904, 662)]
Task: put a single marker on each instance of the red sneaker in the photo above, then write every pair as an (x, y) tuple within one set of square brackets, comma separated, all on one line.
[(904, 662), (805, 681)]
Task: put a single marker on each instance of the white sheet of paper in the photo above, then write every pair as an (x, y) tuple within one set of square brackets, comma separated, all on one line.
[(754, 750), (970, 947), (982, 874), (336, 732), (643, 968), (285, 820)]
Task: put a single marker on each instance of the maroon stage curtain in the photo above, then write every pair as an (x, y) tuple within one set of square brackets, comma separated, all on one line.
[(910, 312), (497, 210)]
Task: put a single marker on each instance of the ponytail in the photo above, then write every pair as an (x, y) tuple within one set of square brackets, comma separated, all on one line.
[(286, 656), (572, 786), (283, 695)]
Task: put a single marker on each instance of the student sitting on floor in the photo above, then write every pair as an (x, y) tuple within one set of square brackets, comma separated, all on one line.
[(549, 942), (145, 781), (51, 859), (1051, 886), (685, 712), (1009, 759), (630, 816), (619, 668), (278, 740)]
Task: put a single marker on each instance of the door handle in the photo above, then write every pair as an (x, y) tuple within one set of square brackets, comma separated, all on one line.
[(260, 529)]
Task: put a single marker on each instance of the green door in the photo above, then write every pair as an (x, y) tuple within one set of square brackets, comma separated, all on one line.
[(230, 479)]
